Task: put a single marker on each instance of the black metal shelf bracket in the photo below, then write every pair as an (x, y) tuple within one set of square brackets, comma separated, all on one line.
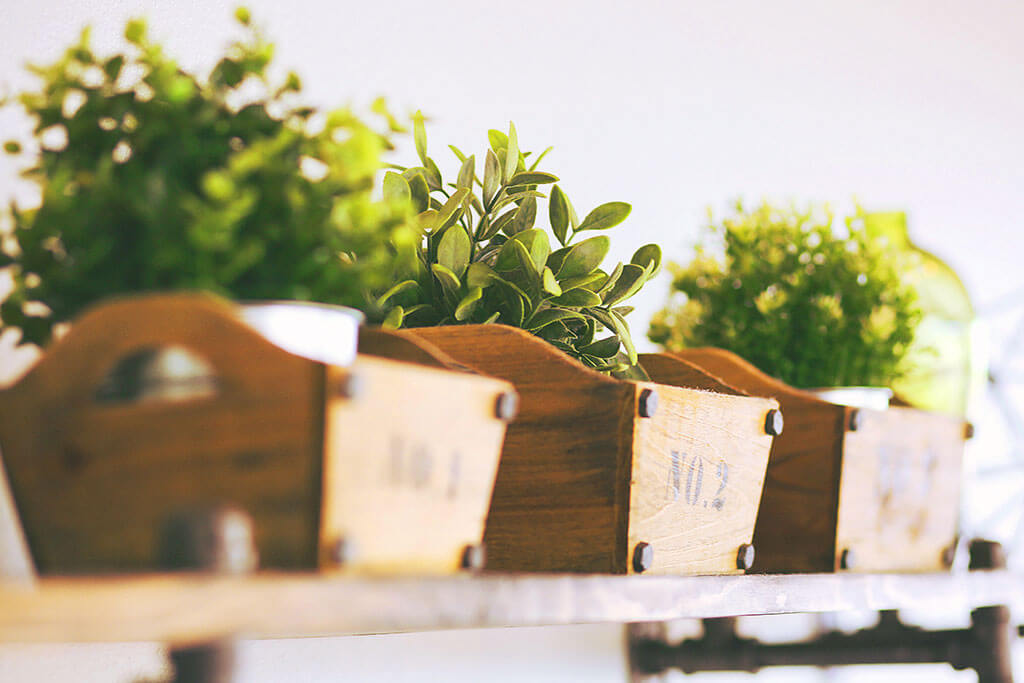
[(984, 647)]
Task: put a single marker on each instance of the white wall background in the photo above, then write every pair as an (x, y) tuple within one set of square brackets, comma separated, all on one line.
[(671, 106)]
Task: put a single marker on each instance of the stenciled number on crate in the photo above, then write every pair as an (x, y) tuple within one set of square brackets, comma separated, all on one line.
[(414, 465), (691, 493)]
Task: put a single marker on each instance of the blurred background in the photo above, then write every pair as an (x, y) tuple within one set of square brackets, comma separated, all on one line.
[(674, 107)]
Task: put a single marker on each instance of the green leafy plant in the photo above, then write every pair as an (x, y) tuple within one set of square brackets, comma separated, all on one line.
[(482, 257), (799, 301), (151, 178)]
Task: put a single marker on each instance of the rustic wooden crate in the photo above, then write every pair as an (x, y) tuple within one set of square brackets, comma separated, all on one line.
[(379, 466), (851, 488), (586, 480)]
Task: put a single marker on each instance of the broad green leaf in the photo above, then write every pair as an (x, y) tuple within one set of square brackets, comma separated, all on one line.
[(526, 215), (622, 330), (428, 220), (556, 259), (453, 250), (419, 132), (532, 178), (492, 177), (516, 309), (558, 214), (511, 154), (449, 280), (468, 303), (498, 224), (605, 216), (396, 188), (628, 284), (451, 206), (400, 287), (466, 173), (419, 191), (536, 244), (433, 175), (497, 140), (505, 199), (648, 257), (577, 298), (511, 288), (536, 162), (603, 348), (612, 279), (394, 318), (550, 315), (550, 284), (527, 267), (581, 281), (480, 275), (584, 257)]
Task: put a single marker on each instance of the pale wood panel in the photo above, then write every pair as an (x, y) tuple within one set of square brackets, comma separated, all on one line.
[(409, 465), (900, 490), (189, 609), (698, 468), (796, 522)]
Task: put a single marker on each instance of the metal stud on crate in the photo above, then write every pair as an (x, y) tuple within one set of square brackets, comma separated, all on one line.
[(599, 473)]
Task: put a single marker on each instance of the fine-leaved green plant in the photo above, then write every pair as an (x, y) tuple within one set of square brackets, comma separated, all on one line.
[(484, 258), (801, 300), (151, 178)]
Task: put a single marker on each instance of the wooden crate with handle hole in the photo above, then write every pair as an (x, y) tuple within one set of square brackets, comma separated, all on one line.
[(380, 466)]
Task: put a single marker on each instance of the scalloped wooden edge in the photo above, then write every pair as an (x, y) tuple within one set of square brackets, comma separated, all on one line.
[(482, 343), (666, 368), (741, 374), (103, 333)]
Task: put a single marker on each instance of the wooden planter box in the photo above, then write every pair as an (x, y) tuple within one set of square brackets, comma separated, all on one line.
[(851, 488), (603, 475), (380, 466)]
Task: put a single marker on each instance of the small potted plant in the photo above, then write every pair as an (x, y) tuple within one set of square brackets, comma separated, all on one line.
[(806, 302), (582, 482), (483, 257), (785, 300), (154, 179)]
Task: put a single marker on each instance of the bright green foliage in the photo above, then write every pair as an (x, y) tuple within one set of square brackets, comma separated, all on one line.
[(800, 302), (154, 179), (482, 257)]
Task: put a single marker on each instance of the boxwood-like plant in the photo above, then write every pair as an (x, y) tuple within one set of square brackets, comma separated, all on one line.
[(483, 256), (151, 178), (801, 300)]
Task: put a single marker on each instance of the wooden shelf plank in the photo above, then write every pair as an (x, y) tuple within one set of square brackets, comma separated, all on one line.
[(181, 609)]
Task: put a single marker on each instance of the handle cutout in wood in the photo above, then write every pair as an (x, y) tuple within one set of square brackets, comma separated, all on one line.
[(170, 374)]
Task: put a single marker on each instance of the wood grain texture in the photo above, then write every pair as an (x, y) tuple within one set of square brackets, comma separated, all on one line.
[(409, 465), (900, 489), (561, 496), (698, 468), (796, 522), (192, 609), (94, 481), (584, 478)]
